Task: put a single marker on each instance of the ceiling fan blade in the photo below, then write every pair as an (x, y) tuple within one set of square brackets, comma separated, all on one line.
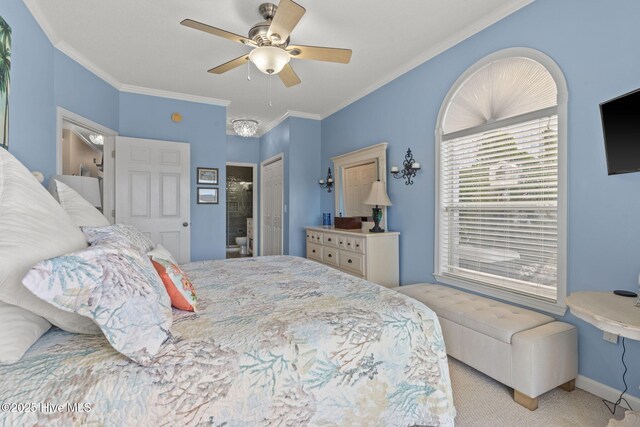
[(234, 63), (329, 54), (287, 17), (288, 76), (217, 32)]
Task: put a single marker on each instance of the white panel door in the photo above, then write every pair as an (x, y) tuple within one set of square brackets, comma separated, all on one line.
[(152, 191), (272, 207), (357, 184)]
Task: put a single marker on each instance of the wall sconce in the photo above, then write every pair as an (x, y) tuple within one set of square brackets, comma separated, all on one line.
[(409, 170), (328, 184)]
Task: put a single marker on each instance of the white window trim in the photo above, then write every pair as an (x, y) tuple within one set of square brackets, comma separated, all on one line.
[(559, 307)]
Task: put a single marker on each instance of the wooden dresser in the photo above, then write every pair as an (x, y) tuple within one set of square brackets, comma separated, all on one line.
[(370, 256)]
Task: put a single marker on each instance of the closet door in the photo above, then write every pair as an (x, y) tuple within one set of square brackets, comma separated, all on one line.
[(272, 202)]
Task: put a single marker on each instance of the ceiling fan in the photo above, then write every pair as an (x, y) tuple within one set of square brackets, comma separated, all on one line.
[(270, 42)]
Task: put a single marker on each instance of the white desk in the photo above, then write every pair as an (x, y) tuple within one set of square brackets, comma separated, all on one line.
[(608, 312)]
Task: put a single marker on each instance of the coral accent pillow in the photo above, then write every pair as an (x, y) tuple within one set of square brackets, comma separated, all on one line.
[(177, 283)]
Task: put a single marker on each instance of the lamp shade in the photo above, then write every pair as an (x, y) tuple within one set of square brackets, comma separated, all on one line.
[(378, 195), (88, 187), (269, 59)]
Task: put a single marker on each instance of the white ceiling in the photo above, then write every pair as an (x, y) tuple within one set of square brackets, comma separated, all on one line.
[(139, 46)]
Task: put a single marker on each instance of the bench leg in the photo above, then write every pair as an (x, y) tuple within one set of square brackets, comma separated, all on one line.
[(569, 385), (531, 403)]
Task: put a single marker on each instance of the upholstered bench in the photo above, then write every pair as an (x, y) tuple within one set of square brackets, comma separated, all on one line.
[(525, 350)]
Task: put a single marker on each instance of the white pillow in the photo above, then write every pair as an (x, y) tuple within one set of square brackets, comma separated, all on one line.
[(161, 252), (20, 329), (83, 213), (33, 227)]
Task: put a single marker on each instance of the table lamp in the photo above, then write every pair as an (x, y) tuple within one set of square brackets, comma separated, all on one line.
[(377, 197)]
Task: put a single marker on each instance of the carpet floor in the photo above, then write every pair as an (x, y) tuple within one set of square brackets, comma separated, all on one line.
[(482, 401)]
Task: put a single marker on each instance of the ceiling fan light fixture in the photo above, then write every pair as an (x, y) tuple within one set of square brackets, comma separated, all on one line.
[(269, 59), (245, 127)]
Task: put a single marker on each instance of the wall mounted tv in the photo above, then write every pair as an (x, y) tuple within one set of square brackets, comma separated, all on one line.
[(621, 126)]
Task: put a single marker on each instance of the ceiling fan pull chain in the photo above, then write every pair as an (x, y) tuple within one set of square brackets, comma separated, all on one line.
[(270, 80)]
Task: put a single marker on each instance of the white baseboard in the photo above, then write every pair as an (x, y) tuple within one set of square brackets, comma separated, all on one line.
[(605, 392)]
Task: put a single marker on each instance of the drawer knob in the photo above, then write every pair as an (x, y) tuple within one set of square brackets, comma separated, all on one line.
[(329, 255), (358, 245), (314, 251), (350, 262), (329, 239), (348, 244)]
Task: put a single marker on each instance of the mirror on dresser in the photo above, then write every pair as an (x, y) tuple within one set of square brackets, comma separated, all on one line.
[(354, 172)]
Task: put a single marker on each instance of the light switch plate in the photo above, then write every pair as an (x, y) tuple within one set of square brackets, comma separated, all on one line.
[(609, 337)]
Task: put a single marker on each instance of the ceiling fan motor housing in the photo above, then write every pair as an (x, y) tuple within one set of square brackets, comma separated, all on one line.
[(258, 33)]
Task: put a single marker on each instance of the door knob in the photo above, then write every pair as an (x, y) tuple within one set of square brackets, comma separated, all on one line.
[(185, 224)]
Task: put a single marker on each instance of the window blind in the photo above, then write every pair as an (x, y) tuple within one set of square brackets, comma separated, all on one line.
[(499, 206)]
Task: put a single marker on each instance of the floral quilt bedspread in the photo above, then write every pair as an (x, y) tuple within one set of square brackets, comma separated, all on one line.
[(277, 341)]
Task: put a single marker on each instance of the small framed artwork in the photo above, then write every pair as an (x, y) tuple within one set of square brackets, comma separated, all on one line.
[(208, 176), (207, 196)]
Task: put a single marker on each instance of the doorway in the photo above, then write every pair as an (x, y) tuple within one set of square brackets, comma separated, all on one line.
[(272, 206), (241, 188), (84, 153)]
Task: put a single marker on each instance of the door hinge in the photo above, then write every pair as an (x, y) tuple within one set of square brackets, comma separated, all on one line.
[(113, 154), (113, 214)]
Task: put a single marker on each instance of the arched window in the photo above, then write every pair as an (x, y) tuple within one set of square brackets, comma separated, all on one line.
[(501, 170)]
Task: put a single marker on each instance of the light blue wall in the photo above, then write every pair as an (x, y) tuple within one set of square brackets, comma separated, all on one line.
[(79, 90), (304, 191), (596, 45), (243, 150), (272, 143), (300, 142), (41, 79), (32, 120), (203, 127)]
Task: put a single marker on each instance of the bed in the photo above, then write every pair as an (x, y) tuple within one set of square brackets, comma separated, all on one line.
[(277, 341)]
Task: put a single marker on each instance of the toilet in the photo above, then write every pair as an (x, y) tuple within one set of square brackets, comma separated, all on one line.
[(242, 242)]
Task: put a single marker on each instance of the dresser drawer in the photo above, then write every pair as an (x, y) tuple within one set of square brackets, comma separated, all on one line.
[(330, 256), (342, 241), (358, 244), (352, 262), (330, 239), (314, 251), (315, 237)]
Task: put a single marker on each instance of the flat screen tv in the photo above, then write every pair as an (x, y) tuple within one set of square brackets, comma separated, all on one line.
[(621, 126)]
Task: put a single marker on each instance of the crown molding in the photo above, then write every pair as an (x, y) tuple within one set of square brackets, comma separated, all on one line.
[(65, 48), (72, 53), (435, 50), (174, 95), (289, 113), (41, 20)]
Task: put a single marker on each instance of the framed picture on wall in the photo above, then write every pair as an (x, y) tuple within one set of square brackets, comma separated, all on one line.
[(207, 196), (208, 176)]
